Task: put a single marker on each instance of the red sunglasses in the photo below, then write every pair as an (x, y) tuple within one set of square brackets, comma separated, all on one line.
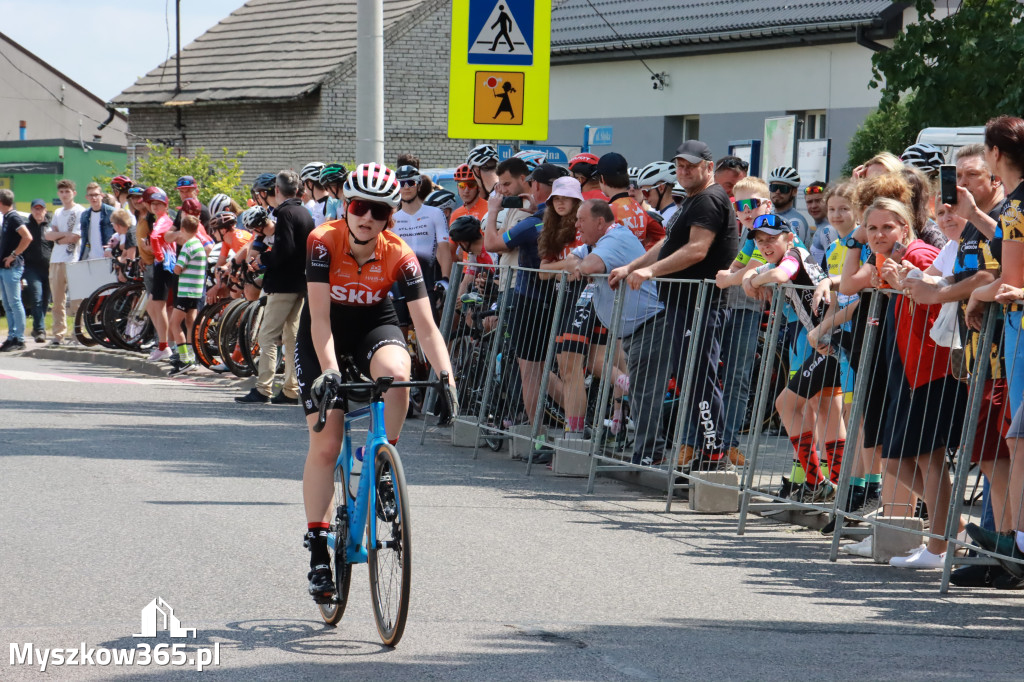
[(359, 207)]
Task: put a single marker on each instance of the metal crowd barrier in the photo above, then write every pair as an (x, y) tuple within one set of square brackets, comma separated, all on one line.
[(704, 401)]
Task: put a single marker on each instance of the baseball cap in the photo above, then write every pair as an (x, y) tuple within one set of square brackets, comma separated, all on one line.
[(694, 151), (771, 224), (186, 181), (612, 163), (547, 173), (567, 187), (38, 202), (192, 207)]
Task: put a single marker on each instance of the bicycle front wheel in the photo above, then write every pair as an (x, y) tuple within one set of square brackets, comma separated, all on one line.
[(390, 561)]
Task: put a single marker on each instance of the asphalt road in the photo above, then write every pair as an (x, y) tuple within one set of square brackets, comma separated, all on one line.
[(116, 489)]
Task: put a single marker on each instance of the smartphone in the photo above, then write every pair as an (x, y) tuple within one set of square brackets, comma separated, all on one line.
[(947, 183), (512, 202)]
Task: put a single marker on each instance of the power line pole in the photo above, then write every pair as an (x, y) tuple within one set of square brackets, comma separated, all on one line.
[(370, 82)]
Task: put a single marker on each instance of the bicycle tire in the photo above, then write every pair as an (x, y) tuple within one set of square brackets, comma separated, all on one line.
[(85, 326), (228, 339), (204, 333), (249, 332), (122, 328), (81, 334), (391, 558), (332, 613)]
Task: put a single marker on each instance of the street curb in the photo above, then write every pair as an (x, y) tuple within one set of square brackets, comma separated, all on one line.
[(121, 359)]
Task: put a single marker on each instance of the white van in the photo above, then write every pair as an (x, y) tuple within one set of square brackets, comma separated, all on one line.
[(951, 139)]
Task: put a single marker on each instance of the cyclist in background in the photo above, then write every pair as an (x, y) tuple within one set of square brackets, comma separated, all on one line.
[(332, 177), (473, 201), (425, 230), (483, 160), (584, 168), (317, 204), (262, 190), (444, 200), (351, 264)]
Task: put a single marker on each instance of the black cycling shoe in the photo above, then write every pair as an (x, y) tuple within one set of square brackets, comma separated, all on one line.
[(321, 584)]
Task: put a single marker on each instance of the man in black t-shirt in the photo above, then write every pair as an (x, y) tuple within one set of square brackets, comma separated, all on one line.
[(702, 238)]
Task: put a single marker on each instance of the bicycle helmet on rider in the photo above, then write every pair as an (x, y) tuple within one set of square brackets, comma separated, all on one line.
[(634, 173), (440, 198), (785, 175), (678, 192), (656, 173), (923, 156), (481, 155), (373, 182), (219, 203), (225, 220), (311, 172), (406, 173), (191, 207), (463, 173), (532, 158), (264, 182), (254, 217), (332, 174), (465, 230), (121, 183), (584, 164)]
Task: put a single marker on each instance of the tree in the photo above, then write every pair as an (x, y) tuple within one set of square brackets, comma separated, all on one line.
[(162, 167), (883, 130), (960, 69)]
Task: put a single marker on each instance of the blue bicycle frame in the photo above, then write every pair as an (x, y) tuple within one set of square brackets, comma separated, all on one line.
[(366, 495)]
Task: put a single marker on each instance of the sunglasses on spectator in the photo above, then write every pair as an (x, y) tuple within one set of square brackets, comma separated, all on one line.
[(733, 164), (358, 207), (746, 204), (467, 185), (408, 183), (780, 187), (814, 189)]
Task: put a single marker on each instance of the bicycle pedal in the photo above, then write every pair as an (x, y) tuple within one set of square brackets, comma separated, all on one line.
[(325, 598)]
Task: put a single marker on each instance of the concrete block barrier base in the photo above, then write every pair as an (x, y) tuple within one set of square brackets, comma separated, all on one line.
[(890, 542), (710, 499)]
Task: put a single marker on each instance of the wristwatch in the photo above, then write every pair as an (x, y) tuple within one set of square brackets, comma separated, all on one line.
[(852, 243)]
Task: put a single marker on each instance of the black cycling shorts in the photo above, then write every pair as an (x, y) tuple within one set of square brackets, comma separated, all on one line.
[(819, 372), (359, 343), (163, 283), (529, 326), (579, 330), (186, 304)]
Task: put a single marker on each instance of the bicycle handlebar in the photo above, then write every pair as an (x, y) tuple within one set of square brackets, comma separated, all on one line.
[(377, 390)]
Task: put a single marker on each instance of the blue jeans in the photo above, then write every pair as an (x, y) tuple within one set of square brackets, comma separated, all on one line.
[(739, 344), (10, 288), (36, 295)]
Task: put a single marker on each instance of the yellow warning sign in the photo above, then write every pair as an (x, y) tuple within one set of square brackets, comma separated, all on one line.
[(500, 69), (498, 98)]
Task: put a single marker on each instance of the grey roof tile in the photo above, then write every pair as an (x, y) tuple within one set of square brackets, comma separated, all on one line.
[(577, 27), (266, 49)]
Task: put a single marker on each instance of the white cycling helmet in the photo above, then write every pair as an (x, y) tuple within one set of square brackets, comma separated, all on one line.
[(634, 173), (311, 171), (786, 175), (373, 182), (532, 158), (256, 216), (481, 154), (678, 192), (219, 203), (924, 157), (656, 173)]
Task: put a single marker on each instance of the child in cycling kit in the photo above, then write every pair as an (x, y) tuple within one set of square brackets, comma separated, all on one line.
[(821, 372)]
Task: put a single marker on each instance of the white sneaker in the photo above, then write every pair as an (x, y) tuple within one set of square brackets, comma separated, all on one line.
[(157, 355), (919, 558), (219, 367), (863, 548)]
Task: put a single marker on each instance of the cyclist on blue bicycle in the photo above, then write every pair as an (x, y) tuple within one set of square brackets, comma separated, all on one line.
[(351, 265)]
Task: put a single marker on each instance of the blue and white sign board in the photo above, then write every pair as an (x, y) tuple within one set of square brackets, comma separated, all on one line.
[(556, 155), (599, 135), (501, 32)]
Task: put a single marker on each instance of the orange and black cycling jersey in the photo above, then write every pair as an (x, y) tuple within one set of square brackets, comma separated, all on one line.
[(236, 239), (329, 261)]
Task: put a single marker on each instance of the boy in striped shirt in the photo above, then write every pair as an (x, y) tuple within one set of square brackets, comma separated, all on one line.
[(191, 270)]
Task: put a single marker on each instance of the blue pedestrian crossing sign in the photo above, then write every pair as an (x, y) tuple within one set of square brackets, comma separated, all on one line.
[(501, 32)]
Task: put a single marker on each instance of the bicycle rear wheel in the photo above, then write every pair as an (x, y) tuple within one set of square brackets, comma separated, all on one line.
[(248, 335), (332, 613), (229, 339), (204, 333), (87, 331), (125, 319), (390, 561)]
